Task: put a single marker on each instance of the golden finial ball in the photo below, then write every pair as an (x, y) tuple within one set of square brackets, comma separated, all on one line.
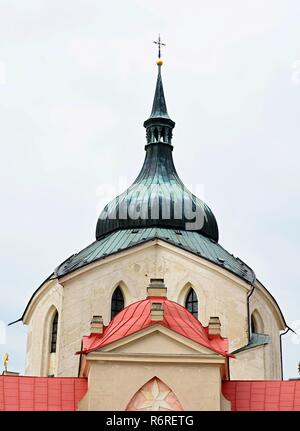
[(159, 62)]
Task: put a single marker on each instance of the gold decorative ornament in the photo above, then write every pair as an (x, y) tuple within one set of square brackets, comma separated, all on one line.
[(5, 361)]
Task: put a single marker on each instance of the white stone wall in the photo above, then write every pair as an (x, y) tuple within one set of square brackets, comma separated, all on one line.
[(42, 309), (88, 292), (249, 365), (111, 385), (272, 328)]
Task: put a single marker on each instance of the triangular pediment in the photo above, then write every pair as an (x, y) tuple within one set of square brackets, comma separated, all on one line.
[(157, 340)]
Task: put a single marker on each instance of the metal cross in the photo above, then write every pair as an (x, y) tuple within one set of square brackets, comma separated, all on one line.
[(159, 43)]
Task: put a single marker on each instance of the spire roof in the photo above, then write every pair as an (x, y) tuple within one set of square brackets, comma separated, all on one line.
[(159, 115), (159, 107), (158, 197)]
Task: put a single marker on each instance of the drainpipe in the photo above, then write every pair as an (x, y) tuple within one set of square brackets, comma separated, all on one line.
[(281, 360), (228, 368), (249, 323), (248, 313), (80, 359)]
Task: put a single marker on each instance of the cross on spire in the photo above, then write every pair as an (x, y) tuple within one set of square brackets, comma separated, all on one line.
[(159, 43)]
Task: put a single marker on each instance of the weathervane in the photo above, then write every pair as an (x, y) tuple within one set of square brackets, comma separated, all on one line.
[(159, 43)]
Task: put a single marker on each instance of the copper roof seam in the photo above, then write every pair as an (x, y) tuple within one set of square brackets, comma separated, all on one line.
[(119, 238), (120, 324), (149, 177), (146, 317), (190, 325), (142, 327), (186, 335), (191, 238), (231, 266)]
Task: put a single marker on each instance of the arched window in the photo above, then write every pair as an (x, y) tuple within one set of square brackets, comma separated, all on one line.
[(117, 302), (191, 303), (257, 325), (253, 325), (53, 338)]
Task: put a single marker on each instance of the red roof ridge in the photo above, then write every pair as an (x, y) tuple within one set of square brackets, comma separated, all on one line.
[(137, 316)]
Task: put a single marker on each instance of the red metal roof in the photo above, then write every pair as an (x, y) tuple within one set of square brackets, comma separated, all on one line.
[(41, 393), (137, 316), (262, 394), (64, 393)]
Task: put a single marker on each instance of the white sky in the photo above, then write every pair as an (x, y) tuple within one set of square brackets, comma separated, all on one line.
[(76, 83)]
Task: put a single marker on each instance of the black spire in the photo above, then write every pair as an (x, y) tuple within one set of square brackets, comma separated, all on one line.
[(159, 108), (159, 125), (158, 197)]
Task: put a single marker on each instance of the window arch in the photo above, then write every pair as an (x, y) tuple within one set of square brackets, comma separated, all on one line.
[(257, 325), (53, 335), (154, 395), (191, 302), (117, 302)]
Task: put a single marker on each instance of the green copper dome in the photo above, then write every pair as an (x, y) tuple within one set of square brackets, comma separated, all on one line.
[(158, 198)]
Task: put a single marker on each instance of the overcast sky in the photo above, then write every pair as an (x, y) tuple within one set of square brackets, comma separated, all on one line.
[(77, 81)]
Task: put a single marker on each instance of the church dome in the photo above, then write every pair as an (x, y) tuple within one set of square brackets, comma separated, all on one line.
[(158, 197)]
